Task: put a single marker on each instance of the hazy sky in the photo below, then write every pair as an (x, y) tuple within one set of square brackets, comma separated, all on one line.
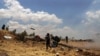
[(73, 18)]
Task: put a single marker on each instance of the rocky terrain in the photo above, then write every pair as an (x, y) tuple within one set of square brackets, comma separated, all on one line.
[(34, 48)]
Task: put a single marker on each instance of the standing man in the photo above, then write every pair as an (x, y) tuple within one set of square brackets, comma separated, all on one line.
[(66, 39), (47, 38)]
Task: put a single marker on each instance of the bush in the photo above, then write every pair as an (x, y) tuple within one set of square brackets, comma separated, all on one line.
[(7, 28), (14, 31), (21, 36)]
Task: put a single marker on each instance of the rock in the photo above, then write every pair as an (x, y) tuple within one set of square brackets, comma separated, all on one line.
[(7, 37), (64, 53), (62, 48), (79, 50), (53, 51), (57, 54)]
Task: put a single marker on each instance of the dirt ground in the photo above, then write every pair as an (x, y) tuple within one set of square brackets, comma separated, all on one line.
[(16, 48), (82, 44)]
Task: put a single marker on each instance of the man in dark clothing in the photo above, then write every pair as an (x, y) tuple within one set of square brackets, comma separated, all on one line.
[(47, 38), (66, 39)]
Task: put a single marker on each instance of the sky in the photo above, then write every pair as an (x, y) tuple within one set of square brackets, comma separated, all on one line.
[(73, 18)]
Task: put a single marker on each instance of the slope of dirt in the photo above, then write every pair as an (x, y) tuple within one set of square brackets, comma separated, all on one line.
[(6, 33), (15, 48), (34, 48)]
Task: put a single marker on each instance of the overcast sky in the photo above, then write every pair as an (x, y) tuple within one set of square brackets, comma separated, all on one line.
[(73, 18)]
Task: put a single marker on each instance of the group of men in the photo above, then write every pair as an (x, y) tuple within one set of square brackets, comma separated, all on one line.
[(52, 41)]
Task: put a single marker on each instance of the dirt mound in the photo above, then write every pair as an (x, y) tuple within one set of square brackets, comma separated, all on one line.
[(6, 33)]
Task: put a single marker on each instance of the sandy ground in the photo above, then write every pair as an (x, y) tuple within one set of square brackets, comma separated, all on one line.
[(15, 48), (88, 45), (24, 49)]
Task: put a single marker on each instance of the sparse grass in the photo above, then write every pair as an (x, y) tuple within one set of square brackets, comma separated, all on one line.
[(34, 48)]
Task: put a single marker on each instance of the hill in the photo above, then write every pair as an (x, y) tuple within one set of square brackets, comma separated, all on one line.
[(34, 48), (6, 33)]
